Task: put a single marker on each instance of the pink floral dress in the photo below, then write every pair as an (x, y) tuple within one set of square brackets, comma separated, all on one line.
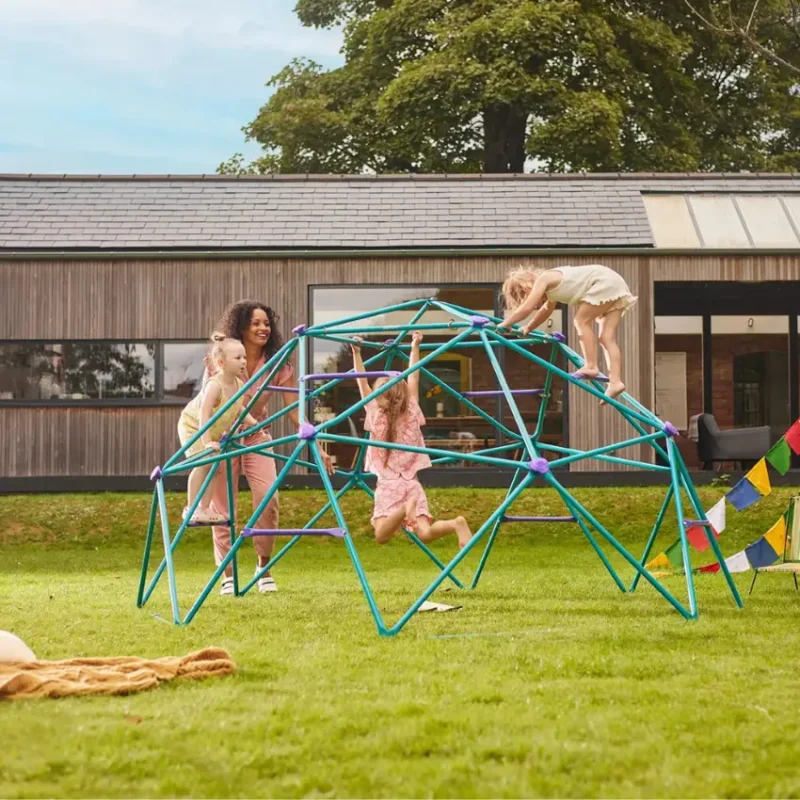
[(397, 475)]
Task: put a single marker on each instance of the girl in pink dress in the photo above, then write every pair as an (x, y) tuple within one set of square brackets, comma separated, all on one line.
[(395, 416)]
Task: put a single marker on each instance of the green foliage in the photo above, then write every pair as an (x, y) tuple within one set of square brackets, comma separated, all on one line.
[(547, 683), (563, 85)]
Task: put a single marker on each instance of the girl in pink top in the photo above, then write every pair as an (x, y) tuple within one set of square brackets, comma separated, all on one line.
[(395, 416)]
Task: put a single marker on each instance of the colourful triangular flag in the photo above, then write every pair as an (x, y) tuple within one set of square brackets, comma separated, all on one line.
[(759, 477), (792, 437), (716, 516), (737, 562), (742, 495), (776, 536), (660, 560), (675, 554), (761, 554), (709, 568), (780, 456), (697, 537)]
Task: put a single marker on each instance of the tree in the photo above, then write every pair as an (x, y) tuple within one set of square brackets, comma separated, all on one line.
[(495, 85)]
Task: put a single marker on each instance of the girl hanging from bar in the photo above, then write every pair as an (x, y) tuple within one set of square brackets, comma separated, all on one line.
[(395, 416)]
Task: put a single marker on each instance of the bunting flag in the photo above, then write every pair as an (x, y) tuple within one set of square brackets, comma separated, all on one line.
[(776, 536), (674, 554), (780, 456), (793, 529), (759, 477), (742, 495), (716, 516), (660, 560), (792, 437), (698, 538), (709, 567), (738, 562), (761, 554)]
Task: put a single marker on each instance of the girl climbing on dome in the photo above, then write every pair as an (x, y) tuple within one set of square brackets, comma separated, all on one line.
[(601, 296), (395, 416)]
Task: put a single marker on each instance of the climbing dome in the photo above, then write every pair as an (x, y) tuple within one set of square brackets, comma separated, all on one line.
[(524, 456)]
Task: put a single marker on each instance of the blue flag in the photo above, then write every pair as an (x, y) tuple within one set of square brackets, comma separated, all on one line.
[(742, 495), (760, 554)]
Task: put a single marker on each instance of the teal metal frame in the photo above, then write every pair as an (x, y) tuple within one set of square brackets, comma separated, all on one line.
[(470, 331)]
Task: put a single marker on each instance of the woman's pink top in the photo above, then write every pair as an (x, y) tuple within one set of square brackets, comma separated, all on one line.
[(261, 409), (400, 464)]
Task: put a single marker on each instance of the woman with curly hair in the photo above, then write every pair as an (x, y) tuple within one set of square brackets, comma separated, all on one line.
[(255, 325)]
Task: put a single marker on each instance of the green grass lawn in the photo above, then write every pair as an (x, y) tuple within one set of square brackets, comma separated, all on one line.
[(548, 682)]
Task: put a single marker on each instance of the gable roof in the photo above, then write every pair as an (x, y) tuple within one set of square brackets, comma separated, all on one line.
[(41, 212)]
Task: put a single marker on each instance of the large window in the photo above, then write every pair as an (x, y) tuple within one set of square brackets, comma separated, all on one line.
[(451, 425), (98, 373)]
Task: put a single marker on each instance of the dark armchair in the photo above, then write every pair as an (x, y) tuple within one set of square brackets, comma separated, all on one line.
[(743, 445)]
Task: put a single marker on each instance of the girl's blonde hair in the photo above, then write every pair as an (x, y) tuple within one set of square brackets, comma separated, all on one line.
[(519, 284), (395, 406), (219, 341)]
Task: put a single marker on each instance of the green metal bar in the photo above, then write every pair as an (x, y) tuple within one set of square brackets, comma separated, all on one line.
[(575, 509), (272, 491), (294, 540), (628, 412), (495, 462), (548, 385), (323, 327), (348, 540), (151, 526), (628, 462), (500, 449), (512, 404), (701, 514), (561, 462), (687, 562), (493, 535), (417, 541), (173, 589), (425, 326), (619, 548), (301, 384), (232, 521), (332, 423), (654, 533), (223, 565), (456, 560), (181, 530)]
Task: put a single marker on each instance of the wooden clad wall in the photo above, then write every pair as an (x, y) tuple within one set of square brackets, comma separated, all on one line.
[(182, 298)]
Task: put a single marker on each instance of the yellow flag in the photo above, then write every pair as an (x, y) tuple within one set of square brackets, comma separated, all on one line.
[(759, 477), (660, 560), (776, 536)]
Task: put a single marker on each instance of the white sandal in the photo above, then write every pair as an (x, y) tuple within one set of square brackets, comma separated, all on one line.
[(227, 587), (266, 583)]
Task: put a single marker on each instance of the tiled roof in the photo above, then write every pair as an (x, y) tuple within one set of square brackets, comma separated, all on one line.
[(43, 212)]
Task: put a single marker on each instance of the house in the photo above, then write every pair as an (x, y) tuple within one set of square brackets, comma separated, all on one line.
[(112, 284)]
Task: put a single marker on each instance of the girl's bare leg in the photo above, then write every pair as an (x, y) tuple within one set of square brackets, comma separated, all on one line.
[(584, 320), (428, 531), (608, 340), (196, 478), (386, 527)]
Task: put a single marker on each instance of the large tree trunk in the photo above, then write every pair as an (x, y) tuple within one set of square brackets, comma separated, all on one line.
[(504, 129)]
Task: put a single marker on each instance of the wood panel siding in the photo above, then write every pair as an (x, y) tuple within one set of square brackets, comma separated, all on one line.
[(182, 299)]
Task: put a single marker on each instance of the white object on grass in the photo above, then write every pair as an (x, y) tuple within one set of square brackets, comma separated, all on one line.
[(12, 648)]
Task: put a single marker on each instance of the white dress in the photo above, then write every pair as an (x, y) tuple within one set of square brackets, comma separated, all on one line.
[(593, 284)]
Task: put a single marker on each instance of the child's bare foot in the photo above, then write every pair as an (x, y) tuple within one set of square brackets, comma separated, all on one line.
[(463, 532), (586, 373), (614, 389)]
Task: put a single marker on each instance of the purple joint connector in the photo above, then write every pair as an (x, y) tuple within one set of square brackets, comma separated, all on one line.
[(336, 533), (390, 342), (558, 336), (155, 474), (479, 321), (307, 431), (579, 376), (539, 465), (223, 439), (693, 523), (300, 329), (671, 430)]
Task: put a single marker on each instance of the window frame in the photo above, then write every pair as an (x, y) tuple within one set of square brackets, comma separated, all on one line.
[(158, 399)]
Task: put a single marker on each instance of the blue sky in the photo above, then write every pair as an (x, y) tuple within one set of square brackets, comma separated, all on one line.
[(140, 86)]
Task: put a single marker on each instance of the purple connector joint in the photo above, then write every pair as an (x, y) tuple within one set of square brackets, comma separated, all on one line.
[(299, 330), (558, 336), (478, 321), (539, 465), (671, 430), (155, 475), (390, 342), (307, 431)]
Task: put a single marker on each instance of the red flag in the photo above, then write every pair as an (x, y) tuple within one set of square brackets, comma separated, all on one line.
[(709, 568), (792, 436), (698, 539)]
